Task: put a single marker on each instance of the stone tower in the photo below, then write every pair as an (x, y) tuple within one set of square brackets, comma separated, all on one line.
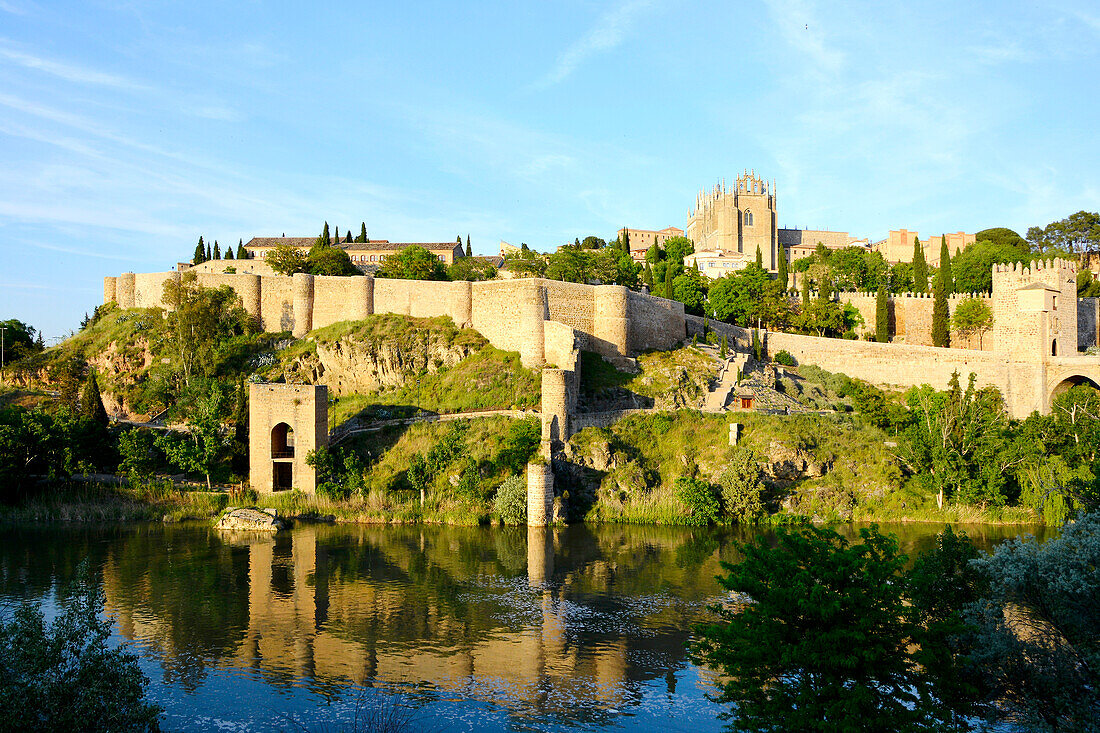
[(1035, 308), (737, 219), (285, 422)]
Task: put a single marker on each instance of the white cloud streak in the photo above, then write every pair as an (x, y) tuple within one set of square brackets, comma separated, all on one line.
[(68, 72), (608, 33)]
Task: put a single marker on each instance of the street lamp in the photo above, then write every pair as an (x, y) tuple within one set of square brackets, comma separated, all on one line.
[(3, 335)]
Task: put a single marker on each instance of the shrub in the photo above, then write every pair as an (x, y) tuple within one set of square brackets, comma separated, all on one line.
[(511, 500), (700, 498), (739, 485), (784, 357), (65, 676)]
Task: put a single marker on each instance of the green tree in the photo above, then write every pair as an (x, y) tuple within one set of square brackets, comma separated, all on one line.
[(208, 255), (920, 268), (747, 297), (200, 253), (19, 339), (690, 289), (740, 488), (824, 642), (677, 248), (324, 240), (945, 267), (199, 321), (973, 266), (229, 253), (783, 278), (701, 499), (217, 250), (647, 277), (941, 316), (569, 265), (593, 242), (1037, 640), (68, 674), (91, 402), (412, 263), (510, 503), (242, 253), (330, 261), (805, 290), (882, 315), (1078, 232), (362, 233), (471, 269), (759, 258), (972, 316), (206, 446), (1087, 285), (469, 250), (287, 260), (137, 453)]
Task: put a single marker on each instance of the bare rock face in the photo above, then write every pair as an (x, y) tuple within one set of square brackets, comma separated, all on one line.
[(250, 520), (790, 464)]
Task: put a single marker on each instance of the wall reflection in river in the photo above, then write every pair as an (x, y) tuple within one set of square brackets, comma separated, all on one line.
[(554, 627)]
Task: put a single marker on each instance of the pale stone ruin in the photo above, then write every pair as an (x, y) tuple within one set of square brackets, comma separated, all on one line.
[(286, 422)]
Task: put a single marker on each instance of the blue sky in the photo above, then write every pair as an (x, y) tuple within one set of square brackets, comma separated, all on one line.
[(129, 129)]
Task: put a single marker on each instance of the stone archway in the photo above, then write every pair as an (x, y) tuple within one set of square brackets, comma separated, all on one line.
[(1072, 380)]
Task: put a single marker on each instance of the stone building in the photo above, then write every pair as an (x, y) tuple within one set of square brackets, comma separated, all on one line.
[(1035, 308), (799, 243), (898, 246), (640, 240), (285, 422), (362, 253), (716, 263), (737, 220)]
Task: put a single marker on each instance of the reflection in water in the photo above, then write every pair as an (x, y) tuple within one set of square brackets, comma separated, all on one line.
[(551, 627)]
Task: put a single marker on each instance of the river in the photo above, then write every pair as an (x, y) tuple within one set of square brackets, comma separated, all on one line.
[(458, 628)]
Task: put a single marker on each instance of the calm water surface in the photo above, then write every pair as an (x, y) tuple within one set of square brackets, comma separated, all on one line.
[(471, 628)]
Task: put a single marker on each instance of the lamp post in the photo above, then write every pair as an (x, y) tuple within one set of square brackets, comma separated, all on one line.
[(3, 336)]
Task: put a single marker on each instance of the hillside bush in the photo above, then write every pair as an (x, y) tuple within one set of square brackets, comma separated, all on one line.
[(701, 499), (511, 500), (784, 358)]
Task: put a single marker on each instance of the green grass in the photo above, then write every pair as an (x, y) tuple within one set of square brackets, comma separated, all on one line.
[(98, 503), (672, 379)]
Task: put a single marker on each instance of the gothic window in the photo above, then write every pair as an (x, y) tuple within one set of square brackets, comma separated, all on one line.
[(748, 218)]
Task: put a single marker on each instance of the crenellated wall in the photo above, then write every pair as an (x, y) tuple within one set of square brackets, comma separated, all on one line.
[(910, 317)]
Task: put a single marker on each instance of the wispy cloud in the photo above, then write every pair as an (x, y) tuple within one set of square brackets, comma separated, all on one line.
[(806, 34), (68, 72), (609, 32)]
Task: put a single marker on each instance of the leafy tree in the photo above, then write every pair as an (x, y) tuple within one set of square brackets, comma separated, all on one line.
[(824, 642), (945, 267), (901, 277), (1087, 285), (955, 443), (920, 268), (206, 446), (330, 261), (199, 321), (339, 471), (701, 499), (941, 316), (654, 254), (91, 402), (747, 297), (740, 488), (783, 276), (469, 250), (19, 339), (972, 316), (1037, 639), (882, 315), (677, 248), (412, 263), (200, 253), (1078, 232), (287, 260), (137, 453), (805, 290), (848, 269), (592, 242), (690, 289), (217, 250), (822, 316), (511, 500), (66, 674), (569, 265), (472, 269), (973, 266)]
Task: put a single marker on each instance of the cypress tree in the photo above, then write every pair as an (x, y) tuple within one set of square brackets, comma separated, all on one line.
[(363, 233), (91, 403), (577, 242), (941, 335), (920, 268), (725, 347), (240, 431), (805, 289), (337, 237), (229, 253), (469, 250), (347, 237), (783, 270), (458, 241), (647, 277), (882, 314), (945, 267), (668, 284), (217, 250), (200, 253), (824, 290), (208, 254), (759, 258), (241, 253)]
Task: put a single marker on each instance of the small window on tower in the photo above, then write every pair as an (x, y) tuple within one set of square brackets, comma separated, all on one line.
[(748, 218)]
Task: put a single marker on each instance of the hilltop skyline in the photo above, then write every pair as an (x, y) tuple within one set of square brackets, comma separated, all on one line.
[(128, 132)]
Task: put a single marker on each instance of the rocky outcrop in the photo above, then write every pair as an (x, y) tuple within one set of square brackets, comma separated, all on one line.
[(250, 520), (356, 365), (787, 464)]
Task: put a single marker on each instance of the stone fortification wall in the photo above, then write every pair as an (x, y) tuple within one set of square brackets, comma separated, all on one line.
[(1025, 325), (607, 319), (904, 365), (1088, 323), (911, 317), (560, 384)]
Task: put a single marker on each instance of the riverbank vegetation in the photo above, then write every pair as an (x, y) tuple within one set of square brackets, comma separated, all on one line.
[(823, 631)]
